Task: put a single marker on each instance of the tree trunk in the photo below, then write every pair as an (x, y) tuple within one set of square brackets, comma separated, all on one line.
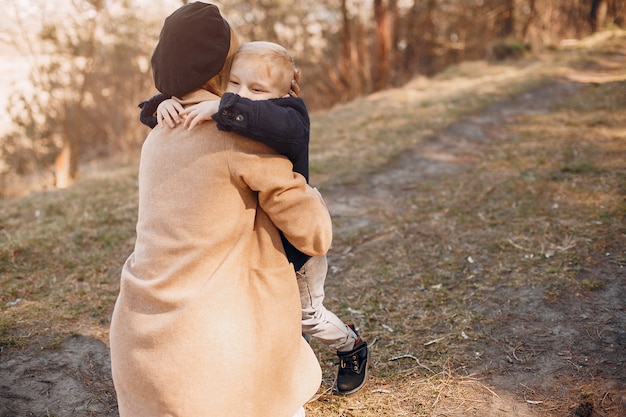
[(394, 55), (420, 55), (66, 165), (597, 17), (508, 19), (362, 61), (532, 12), (346, 49), (382, 67)]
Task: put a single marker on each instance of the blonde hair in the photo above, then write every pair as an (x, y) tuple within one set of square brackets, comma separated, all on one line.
[(217, 85), (279, 66)]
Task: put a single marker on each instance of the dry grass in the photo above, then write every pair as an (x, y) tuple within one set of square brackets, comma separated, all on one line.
[(368, 132), (60, 258), (416, 390), (428, 274), (446, 253)]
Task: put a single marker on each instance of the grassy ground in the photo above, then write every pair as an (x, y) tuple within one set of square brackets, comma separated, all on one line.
[(475, 214), (514, 229)]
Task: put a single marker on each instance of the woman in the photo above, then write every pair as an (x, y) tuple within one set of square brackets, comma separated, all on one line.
[(208, 300)]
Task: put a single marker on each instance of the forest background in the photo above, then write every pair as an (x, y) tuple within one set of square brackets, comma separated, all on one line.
[(73, 71)]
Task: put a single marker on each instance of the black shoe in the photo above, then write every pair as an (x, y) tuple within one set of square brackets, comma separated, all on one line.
[(352, 371)]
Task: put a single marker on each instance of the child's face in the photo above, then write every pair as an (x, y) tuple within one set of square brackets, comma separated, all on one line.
[(248, 81)]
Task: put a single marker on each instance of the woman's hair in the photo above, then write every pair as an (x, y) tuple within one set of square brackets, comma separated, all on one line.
[(280, 66), (217, 85)]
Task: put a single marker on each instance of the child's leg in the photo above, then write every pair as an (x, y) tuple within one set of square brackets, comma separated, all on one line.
[(317, 321)]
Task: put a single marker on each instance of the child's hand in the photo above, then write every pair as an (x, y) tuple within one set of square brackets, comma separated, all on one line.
[(199, 113), (168, 113)]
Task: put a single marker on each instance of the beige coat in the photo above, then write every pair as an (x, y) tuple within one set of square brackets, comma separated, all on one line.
[(207, 322)]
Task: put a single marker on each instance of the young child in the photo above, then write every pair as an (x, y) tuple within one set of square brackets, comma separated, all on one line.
[(262, 104)]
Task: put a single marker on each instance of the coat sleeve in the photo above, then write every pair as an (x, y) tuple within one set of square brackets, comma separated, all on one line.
[(148, 107), (291, 204), (282, 124)]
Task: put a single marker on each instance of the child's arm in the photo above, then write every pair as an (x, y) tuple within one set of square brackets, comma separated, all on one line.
[(199, 113), (161, 110), (148, 113), (283, 123), (168, 113)]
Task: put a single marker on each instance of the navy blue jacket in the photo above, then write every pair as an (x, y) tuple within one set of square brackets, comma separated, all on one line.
[(281, 123)]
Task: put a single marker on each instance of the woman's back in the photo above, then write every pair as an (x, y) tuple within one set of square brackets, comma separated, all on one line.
[(208, 318)]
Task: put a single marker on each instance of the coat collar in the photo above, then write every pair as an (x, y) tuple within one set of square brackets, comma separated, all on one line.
[(196, 97)]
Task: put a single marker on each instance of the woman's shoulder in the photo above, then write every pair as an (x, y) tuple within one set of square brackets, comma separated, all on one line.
[(239, 143)]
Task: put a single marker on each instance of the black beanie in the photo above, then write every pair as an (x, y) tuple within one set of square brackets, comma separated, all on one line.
[(192, 49)]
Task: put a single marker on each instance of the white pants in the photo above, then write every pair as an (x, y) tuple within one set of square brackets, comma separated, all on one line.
[(299, 413), (317, 321)]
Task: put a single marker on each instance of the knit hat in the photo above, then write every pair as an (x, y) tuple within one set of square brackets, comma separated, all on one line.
[(192, 49)]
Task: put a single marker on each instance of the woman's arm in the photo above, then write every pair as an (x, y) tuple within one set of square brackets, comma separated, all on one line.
[(295, 208)]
